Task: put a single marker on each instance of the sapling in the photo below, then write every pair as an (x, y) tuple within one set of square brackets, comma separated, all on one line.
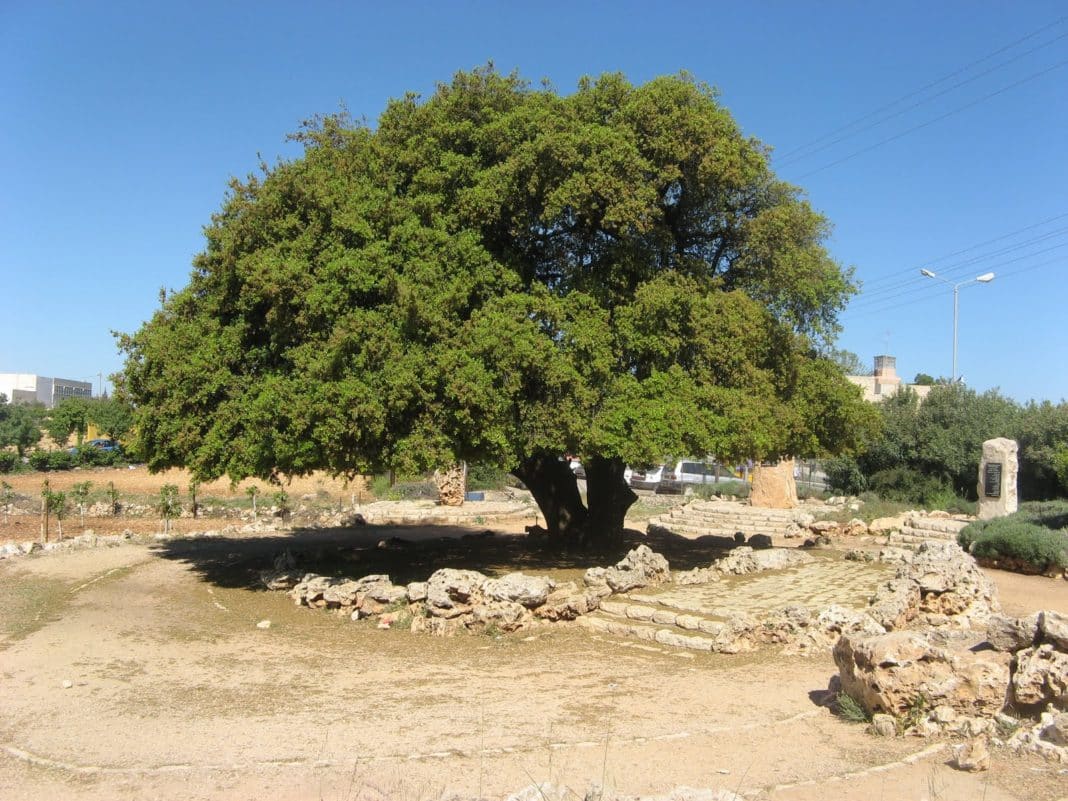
[(253, 492), (7, 498), (113, 497), (168, 506), (80, 491), (194, 485)]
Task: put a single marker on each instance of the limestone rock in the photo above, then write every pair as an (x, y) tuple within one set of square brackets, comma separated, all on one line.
[(888, 672), (855, 528), (1012, 633), (1041, 676), (972, 756), (641, 567), (884, 525), (823, 527), (743, 560), (883, 725), (450, 592), (1002, 499), (774, 486), (1053, 627), (505, 615), (452, 484), (895, 603), (529, 591), (417, 591), (1055, 730), (567, 602)]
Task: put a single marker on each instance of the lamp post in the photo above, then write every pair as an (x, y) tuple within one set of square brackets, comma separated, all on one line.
[(985, 278)]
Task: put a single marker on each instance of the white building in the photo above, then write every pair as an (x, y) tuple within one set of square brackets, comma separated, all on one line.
[(31, 388), (884, 381)]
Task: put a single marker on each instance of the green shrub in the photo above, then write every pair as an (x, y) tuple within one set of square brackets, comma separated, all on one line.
[(9, 460), (406, 489), (724, 489), (1021, 538), (486, 476), (848, 708), (908, 486), (61, 460), (97, 457), (38, 459), (844, 476)]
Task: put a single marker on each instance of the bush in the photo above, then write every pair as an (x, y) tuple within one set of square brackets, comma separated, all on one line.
[(1021, 538), (844, 476), (405, 489), (9, 460), (38, 460), (60, 460), (908, 486), (97, 457), (724, 489), (486, 476)]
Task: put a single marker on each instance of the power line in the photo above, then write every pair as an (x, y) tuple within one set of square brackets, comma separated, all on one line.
[(929, 262), (960, 267), (863, 302), (923, 89), (933, 293), (787, 161), (939, 118)]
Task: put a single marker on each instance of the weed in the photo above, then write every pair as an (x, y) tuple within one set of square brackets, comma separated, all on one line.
[(848, 708), (914, 713)]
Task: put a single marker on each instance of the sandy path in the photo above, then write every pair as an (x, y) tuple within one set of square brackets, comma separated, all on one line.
[(177, 694)]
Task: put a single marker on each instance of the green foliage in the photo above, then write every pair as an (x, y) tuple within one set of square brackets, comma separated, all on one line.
[(168, 505), (499, 273), (9, 460), (1043, 437), (1036, 536), (56, 502), (485, 476), (848, 708), (849, 362), (723, 489), (844, 475), (19, 425), (80, 491), (281, 503), (113, 497), (51, 460), (924, 380), (69, 417), (112, 416)]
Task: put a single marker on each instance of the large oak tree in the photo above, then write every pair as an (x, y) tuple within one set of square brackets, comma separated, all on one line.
[(504, 273)]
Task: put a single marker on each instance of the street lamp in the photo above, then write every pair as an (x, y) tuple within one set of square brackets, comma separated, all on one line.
[(985, 278)]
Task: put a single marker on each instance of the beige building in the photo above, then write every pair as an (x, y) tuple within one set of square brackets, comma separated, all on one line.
[(32, 388), (884, 381)]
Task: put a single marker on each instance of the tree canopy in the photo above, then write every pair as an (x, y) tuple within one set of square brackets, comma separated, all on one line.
[(504, 273)]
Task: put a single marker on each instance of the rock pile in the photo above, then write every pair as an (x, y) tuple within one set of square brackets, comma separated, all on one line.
[(959, 665), (452, 599)]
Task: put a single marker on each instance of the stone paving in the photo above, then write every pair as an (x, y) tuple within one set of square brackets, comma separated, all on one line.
[(817, 585)]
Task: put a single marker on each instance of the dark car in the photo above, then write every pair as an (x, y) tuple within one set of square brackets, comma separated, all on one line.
[(105, 445)]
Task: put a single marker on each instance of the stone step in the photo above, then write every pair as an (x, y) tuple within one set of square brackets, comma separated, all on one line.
[(623, 627), (650, 612), (737, 509), (707, 529), (726, 520)]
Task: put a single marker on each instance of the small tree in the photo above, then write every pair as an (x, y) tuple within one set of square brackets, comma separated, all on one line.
[(7, 498), (168, 506), (253, 492), (281, 501), (194, 485), (57, 503), (113, 497), (46, 508), (80, 491)]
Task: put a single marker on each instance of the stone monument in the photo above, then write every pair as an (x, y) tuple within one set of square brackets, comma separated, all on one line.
[(997, 478), (774, 486)]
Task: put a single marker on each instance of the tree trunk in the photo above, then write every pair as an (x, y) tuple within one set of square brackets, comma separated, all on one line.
[(555, 490), (609, 497)]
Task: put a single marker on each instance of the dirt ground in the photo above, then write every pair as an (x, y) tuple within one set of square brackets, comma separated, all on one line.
[(137, 485), (139, 672)]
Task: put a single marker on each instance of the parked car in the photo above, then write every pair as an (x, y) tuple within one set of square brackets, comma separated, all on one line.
[(643, 477), (100, 444), (687, 472)]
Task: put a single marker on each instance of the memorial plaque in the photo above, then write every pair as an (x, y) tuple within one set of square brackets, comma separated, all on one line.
[(992, 480)]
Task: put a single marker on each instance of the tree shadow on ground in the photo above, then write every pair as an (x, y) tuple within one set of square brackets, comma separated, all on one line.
[(413, 553)]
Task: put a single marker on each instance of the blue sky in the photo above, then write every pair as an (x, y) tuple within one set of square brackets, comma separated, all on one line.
[(120, 124)]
